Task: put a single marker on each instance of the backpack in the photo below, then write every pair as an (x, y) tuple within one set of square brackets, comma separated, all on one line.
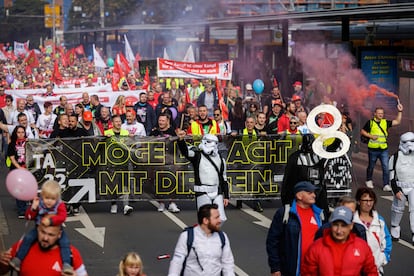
[(190, 239), (364, 139)]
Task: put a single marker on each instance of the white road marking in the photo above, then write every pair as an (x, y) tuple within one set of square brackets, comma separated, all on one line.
[(95, 234), (261, 219), (182, 225)]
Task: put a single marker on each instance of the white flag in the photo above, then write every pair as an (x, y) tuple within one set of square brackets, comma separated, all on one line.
[(189, 56), (129, 55), (21, 48), (2, 55), (166, 56), (97, 59)]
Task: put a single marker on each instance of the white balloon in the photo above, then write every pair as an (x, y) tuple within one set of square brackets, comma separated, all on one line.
[(323, 108), (318, 148)]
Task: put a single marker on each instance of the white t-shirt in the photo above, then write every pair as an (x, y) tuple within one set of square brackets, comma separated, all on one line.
[(136, 129)]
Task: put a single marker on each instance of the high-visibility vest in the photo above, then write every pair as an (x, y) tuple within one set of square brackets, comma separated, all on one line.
[(381, 142), (197, 128)]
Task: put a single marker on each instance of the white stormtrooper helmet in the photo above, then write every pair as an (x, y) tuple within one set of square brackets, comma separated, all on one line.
[(209, 144), (407, 143)]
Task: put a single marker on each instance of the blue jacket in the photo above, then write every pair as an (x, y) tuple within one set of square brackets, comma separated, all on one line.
[(283, 241)]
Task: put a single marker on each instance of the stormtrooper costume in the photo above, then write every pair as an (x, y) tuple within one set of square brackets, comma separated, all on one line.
[(209, 172), (402, 180)]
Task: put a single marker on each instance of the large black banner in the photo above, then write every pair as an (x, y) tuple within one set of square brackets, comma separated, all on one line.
[(102, 169)]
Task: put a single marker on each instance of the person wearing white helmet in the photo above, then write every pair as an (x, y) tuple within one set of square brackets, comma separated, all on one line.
[(209, 172), (402, 184)]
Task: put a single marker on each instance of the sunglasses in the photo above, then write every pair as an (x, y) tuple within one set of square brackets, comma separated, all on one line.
[(216, 114), (293, 123)]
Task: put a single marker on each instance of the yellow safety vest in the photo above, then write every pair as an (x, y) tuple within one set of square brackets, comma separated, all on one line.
[(197, 128), (246, 139), (381, 142)]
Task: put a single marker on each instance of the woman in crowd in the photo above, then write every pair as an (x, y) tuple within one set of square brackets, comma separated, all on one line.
[(378, 236), (119, 107), (16, 153), (79, 109), (237, 116)]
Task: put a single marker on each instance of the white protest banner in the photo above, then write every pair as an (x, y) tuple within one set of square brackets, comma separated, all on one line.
[(74, 95), (221, 70)]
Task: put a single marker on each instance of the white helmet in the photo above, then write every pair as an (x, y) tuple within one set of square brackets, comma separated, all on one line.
[(407, 143), (209, 144)]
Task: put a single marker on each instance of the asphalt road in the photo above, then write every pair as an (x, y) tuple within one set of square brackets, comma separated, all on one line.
[(104, 238)]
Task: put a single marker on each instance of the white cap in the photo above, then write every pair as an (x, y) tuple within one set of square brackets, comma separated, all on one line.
[(249, 86)]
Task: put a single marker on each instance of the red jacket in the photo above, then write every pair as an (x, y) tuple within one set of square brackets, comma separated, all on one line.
[(357, 258), (56, 219)]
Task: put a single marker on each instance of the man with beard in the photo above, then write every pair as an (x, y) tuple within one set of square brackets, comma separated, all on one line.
[(43, 257), (204, 124), (74, 127), (145, 113), (212, 253)]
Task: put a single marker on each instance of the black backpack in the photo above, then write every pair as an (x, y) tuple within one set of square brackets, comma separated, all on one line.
[(190, 239)]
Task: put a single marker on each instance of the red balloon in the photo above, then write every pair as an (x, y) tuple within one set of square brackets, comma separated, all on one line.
[(21, 184)]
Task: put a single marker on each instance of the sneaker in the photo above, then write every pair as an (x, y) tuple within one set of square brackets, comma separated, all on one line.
[(369, 184), (173, 208), (128, 210), (395, 233), (161, 207), (75, 211), (114, 209), (68, 269), (387, 188), (258, 207), (15, 264), (20, 216)]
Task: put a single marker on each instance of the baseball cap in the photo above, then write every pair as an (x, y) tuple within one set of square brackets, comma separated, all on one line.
[(342, 213), (304, 186), (249, 86), (297, 83), (87, 116), (296, 98), (277, 102)]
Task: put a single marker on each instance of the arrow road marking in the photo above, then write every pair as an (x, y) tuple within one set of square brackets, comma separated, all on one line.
[(95, 234), (261, 219), (88, 187), (182, 225)]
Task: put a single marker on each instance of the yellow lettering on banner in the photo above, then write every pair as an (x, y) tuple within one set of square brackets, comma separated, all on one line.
[(118, 153), (167, 183), (122, 182), (259, 152), (241, 182)]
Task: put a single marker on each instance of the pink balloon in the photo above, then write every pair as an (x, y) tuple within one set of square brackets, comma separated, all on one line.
[(22, 184)]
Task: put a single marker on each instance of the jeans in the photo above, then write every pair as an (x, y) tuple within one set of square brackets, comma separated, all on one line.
[(21, 207), (31, 238), (382, 155)]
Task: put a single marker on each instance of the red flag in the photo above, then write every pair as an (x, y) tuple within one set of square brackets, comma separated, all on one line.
[(80, 50), (117, 75), (31, 60), (10, 55), (123, 63), (222, 104), (187, 96), (147, 80), (57, 76), (275, 84), (70, 57), (28, 70)]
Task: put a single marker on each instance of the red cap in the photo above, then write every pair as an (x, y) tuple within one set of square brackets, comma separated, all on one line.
[(277, 102), (296, 98), (297, 83), (87, 116), (77, 82)]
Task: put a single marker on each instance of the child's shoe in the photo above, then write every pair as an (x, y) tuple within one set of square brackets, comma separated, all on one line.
[(68, 269), (15, 264)]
